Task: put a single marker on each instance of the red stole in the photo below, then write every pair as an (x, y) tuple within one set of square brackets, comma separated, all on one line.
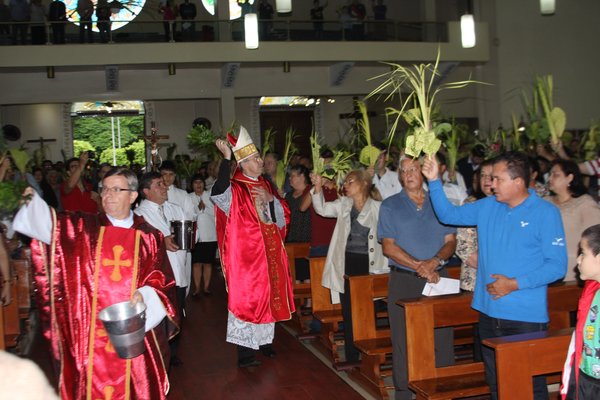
[(253, 256), (115, 277)]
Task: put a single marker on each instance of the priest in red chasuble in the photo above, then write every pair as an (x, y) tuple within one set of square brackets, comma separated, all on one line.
[(251, 228), (86, 262)]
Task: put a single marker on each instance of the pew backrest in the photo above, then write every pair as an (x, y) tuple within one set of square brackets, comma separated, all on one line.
[(321, 296), (363, 291), (520, 357)]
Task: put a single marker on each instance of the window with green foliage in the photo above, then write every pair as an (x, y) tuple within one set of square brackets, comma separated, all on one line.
[(111, 138)]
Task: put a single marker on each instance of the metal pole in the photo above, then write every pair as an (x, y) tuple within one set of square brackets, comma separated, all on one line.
[(119, 130), (112, 127)]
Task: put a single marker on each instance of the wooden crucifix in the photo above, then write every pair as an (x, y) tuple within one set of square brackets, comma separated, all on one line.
[(152, 141), (41, 141)]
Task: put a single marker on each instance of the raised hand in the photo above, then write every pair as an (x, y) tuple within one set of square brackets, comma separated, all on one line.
[(223, 148), (431, 169)]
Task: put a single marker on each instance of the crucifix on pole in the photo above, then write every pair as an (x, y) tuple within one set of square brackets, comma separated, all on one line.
[(42, 150), (152, 142)]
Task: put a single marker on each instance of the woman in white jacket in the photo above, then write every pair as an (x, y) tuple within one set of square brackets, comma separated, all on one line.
[(354, 249)]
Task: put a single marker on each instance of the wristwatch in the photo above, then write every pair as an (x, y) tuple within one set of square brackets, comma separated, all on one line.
[(441, 261)]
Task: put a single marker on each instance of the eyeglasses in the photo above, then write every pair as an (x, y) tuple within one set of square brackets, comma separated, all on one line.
[(112, 190), (410, 170)]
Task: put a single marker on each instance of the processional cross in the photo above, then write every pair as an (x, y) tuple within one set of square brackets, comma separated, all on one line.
[(152, 141)]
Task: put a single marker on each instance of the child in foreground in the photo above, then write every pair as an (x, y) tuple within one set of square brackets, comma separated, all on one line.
[(581, 374)]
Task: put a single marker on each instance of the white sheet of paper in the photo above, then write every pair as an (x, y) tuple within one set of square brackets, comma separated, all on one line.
[(444, 286)]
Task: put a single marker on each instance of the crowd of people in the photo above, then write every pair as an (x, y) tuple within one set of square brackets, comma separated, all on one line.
[(513, 221), (25, 22)]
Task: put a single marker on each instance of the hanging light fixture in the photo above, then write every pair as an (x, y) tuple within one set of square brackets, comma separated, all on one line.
[(467, 31), (547, 7), (251, 31), (286, 66), (467, 27), (283, 6), (50, 72)]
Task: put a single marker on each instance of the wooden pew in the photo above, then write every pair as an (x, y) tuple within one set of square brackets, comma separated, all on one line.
[(520, 357), (12, 322), (374, 343), (464, 379), (15, 324), (329, 314), (301, 290)]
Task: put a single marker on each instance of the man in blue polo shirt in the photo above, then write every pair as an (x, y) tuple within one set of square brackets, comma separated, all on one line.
[(521, 250), (417, 246)]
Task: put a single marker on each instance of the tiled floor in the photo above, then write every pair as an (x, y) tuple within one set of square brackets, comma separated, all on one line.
[(210, 371)]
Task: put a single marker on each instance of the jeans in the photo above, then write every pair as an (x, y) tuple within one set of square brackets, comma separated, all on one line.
[(495, 327)]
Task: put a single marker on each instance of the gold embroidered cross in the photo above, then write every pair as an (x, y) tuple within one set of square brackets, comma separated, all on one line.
[(108, 392), (117, 263), (109, 347)]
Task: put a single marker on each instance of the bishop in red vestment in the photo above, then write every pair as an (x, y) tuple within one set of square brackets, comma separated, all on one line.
[(251, 227), (86, 262)]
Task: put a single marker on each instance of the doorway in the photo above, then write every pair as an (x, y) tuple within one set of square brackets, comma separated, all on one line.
[(280, 119)]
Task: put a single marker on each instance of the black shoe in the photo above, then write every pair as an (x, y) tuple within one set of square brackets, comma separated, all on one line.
[(268, 351), (250, 362), (175, 361)]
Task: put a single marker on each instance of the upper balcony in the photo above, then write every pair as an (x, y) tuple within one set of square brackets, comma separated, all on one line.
[(215, 41)]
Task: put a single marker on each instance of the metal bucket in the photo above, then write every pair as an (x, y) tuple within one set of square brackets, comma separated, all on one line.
[(125, 324), (184, 233)]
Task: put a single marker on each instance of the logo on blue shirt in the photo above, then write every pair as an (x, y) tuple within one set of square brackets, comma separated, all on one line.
[(558, 242)]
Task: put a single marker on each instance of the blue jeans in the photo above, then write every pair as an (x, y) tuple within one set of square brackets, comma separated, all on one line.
[(495, 327)]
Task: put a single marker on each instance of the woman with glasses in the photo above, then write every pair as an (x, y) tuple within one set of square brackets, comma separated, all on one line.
[(577, 208), (466, 238), (354, 249)]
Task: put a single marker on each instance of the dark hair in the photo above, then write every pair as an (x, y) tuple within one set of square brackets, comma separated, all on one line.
[(478, 151), (534, 166), (326, 153), (441, 158), (70, 160), (568, 167), (485, 163), (197, 177), (132, 181), (517, 164), (167, 166), (592, 236), (146, 181), (303, 171)]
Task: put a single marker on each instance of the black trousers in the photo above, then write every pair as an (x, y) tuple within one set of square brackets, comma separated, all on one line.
[(355, 264), (174, 343)]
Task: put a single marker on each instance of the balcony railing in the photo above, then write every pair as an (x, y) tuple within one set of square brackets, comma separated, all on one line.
[(25, 33)]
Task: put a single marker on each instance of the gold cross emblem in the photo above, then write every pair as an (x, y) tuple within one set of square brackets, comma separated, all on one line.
[(116, 263), (109, 347), (108, 392)]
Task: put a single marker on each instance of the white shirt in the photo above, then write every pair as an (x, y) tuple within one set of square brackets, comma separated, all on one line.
[(388, 184), (151, 213), (206, 230), (182, 199)]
